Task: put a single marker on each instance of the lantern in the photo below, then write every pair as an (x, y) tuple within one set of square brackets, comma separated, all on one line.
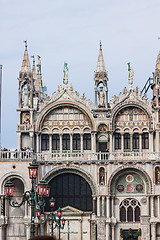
[(59, 212), (33, 167), (38, 212), (9, 188), (52, 202), (47, 191), (63, 221), (42, 187)]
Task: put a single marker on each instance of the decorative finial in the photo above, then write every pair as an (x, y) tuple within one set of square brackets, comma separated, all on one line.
[(131, 75), (25, 44), (100, 45), (65, 70)]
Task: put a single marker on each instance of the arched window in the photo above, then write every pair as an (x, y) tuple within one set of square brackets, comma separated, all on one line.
[(135, 141), (55, 142), (66, 142), (76, 142), (117, 141), (44, 142), (145, 140), (87, 141), (102, 176), (126, 141), (70, 189), (157, 175), (129, 210)]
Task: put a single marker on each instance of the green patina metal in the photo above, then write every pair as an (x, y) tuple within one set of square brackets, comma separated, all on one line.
[(139, 178)]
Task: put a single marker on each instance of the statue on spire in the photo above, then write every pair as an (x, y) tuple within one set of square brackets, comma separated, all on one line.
[(131, 75), (65, 70)]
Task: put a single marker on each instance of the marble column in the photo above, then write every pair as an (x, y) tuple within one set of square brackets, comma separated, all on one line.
[(93, 142), (131, 142), (152, 206), (27, 230), (122, 142), (111, 141), (113, 229), (157, 142), (151, 142), (60, 142), (50, 143), (94, 205), (103, 206), (37, 143), (140, 142), (31, 141), (98, 206), (107, 231), (108, 207), (19, 140), (81, 142), (71, 143), (158, 207), (112, 206), (153, 231)]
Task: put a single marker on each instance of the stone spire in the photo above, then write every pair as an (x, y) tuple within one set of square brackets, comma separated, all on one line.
[(101, 88), (158, 62), (33, 67), (100, 71), (26, 68)]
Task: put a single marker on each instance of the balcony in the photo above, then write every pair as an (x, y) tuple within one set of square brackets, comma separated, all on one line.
[(80, 158)]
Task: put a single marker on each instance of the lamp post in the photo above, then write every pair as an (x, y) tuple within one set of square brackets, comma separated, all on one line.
[(32, 197), (53, 219)]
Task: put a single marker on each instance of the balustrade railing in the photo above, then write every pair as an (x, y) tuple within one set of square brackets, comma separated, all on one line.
[(80, 156)]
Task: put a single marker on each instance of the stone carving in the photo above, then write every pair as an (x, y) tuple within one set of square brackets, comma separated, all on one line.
[(54, 95), (25, 96), (135, 93), (101, 98), (60, 89)]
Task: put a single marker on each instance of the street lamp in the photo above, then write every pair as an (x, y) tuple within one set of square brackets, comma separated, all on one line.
[(32, 197), (52, 218)]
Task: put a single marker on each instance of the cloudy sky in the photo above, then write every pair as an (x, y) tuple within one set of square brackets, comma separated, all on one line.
[(70, 31)]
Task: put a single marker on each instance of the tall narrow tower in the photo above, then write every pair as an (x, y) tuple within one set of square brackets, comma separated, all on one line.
[(25, 108), (101, 78), (156, 81)]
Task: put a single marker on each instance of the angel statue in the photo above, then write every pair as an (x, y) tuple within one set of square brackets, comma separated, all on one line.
[(65, 70)]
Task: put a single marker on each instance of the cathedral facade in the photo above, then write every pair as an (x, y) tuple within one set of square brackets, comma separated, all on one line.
[(101, 160)]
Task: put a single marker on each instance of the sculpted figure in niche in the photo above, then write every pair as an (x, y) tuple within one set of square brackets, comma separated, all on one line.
[(157, 175), (101, 176), (25, 96), (101, 98)]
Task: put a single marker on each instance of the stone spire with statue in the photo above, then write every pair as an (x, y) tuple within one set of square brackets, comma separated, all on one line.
[(131, 75), (65, 78), (101, 79)]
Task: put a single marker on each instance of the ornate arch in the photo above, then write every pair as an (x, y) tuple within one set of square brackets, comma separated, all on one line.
[(60, 170), (122, 170), (11, 175), (123, 105), (53, 106)]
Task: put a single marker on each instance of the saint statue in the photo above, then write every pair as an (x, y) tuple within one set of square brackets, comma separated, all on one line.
[(131, 75), (101, 98), (65, 70), (25, 96)]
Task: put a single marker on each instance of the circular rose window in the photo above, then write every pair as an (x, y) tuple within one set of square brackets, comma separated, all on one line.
[(139, 187), (120, 188)]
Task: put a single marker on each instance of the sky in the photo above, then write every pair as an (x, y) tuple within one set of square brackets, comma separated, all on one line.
[(70, 31)]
